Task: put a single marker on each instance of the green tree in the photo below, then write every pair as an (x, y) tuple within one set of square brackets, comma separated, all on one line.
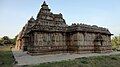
[(116, 41), (6, 40), (13, 41), (1, 41)]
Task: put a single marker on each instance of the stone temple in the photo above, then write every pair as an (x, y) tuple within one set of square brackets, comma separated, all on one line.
[(49, 34)]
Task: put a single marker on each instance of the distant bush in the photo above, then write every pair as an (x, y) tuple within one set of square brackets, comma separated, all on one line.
[(84, 62), (116, 49), (6, 41), (113, 58)]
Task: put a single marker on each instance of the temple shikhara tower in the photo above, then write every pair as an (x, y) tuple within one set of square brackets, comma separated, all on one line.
[(49, 34)]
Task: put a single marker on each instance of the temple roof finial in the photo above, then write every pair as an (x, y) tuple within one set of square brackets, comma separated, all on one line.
[(44, 3), (31, 16), (32, 19)]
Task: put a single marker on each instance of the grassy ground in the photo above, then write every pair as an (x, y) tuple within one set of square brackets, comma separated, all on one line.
[(6, 59), (100, 61)]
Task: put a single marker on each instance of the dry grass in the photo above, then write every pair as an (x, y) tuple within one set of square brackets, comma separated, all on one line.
[(6, 59)]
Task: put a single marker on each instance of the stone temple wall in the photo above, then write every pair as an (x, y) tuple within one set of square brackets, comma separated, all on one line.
[(79, 42), (49, 33)]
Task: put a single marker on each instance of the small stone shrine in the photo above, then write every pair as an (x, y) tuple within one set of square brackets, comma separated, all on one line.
[(49, 34)]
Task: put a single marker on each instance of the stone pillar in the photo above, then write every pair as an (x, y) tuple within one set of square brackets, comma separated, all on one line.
[(64, 39)]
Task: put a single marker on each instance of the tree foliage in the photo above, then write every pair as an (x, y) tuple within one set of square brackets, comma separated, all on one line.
[(5, 40), (116, 41)]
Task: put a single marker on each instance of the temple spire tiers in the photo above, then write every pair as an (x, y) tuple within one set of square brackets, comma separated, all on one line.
[(44, 11), (45, 8), (45, 17), (49, 33)]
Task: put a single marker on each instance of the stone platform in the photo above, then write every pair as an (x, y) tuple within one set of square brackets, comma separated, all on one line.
[(23, 58)]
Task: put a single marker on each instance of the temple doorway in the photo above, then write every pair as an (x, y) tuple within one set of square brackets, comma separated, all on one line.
[(98, 43)]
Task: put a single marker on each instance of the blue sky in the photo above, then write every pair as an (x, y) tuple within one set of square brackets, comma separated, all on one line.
[(14, 14)]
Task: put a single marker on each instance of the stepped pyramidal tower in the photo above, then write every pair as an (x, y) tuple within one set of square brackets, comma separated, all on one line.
[(49, 34)]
